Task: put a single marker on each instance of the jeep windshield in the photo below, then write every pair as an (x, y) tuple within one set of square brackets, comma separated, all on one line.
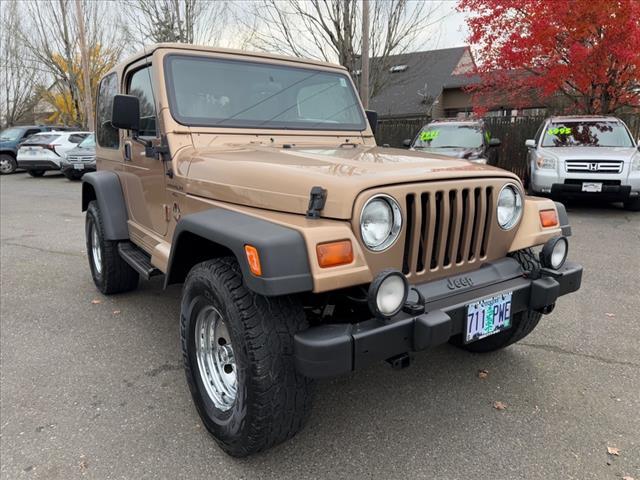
[(586, 134), (449, 136), (213, 92)]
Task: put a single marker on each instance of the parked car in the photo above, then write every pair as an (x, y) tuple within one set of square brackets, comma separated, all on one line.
[(80, 160), (585, 156), (45, 151), (10, 140), (466, 139), (305, 250)]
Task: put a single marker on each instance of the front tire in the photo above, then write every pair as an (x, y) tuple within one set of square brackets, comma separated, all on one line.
[(36, 173), (110, 272), (8, 164), (72, 175), (523, 323), (238, 357)]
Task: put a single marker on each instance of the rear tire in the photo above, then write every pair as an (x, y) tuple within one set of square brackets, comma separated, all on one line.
[(8, 164), (258, 399), (110, 272), (632, 205), (36, 173), (523, 323)]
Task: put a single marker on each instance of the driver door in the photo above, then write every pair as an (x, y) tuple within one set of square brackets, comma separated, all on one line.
[(144, 178)]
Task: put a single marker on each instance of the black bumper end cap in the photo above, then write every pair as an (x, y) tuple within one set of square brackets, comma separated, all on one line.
[(432, 329), (324, 351)]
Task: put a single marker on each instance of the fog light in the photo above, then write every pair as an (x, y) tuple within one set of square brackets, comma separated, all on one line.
[(388, 293), (554, 253)]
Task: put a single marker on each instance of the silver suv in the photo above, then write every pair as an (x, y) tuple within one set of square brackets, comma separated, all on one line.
[(586, 156)]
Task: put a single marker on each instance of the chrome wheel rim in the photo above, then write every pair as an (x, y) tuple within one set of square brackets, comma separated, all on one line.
[(5, 166), (216, 360), (95, 249)]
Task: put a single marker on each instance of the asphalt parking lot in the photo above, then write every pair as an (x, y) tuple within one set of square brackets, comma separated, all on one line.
[(92, 386)]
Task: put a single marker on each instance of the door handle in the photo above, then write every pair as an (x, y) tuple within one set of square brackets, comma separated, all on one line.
[(127, 151)]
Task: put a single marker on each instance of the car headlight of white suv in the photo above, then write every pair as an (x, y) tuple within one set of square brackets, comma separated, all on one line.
[(546, 162), (509, 209), (380, 222)]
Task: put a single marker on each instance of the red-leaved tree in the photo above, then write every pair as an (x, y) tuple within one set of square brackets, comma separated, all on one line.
[(587, 51)]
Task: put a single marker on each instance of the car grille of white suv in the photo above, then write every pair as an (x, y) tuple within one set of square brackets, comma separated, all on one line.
[(594, 166)]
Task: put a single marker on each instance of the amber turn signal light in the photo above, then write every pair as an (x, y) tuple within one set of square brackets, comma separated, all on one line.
[(253, 259), (549, 218), (332, 254)]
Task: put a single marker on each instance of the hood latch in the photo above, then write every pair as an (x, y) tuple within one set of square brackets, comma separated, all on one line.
[(317, 199)]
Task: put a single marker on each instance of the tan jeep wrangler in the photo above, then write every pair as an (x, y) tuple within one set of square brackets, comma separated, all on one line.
[(304, 249)]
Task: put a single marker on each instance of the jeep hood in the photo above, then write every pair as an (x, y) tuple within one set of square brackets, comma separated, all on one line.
[(281, 179)]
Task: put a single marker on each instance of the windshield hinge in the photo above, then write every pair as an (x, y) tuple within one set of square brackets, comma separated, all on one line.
[(160, 152), (317, 199)]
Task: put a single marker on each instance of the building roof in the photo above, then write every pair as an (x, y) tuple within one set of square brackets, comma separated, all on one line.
[(411, 90)]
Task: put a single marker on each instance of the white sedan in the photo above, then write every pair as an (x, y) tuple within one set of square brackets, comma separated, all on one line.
[(44, 151)]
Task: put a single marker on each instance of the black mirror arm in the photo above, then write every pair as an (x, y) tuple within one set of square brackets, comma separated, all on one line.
[(141, 141)]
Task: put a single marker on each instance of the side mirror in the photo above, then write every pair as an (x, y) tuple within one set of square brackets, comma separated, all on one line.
[(407, 142), (530, 143), (372, 118), (494, 142), (126, 112)]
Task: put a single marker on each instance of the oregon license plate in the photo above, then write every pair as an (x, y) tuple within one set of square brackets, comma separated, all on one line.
[(488, 316), (592, 187), (78, 166)]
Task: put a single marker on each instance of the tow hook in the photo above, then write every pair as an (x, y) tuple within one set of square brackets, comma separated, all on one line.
[(399, 361), (547, 309)]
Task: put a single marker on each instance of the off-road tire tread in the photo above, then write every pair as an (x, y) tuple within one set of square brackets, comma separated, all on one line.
[(117, 275), (523, 323), (282, 397)]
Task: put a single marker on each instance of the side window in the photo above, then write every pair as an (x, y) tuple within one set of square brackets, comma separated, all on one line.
[(538, 137), (30, 132), (77, 137), (106, 134), (140, 86)]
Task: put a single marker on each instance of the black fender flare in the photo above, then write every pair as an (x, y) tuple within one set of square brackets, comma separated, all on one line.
[(282, 250), (563, 218), (105, 188)]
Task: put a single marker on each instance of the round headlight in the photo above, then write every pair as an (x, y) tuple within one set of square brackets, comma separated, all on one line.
[(509, 206), (380, 222), (388, 293), (554, 253)]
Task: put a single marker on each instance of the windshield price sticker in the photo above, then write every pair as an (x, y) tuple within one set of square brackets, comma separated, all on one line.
[(559, 131), (429, 135)]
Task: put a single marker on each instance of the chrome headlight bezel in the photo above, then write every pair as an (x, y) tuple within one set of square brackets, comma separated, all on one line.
[(518, 209), (396, 223)]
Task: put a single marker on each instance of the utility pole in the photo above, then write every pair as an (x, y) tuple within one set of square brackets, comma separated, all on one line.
[(86, 73), (364, 57)]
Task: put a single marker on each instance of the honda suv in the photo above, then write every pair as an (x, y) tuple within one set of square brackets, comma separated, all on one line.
[(586, 156)]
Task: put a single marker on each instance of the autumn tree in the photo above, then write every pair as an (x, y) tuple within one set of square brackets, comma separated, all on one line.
[(586, 51)]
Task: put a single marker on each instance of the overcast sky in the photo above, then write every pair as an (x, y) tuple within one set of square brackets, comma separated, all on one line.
[(450, 32)]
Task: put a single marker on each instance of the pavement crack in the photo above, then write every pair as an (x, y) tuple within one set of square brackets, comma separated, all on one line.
[(554, 349), (162, 368), (45, 250)]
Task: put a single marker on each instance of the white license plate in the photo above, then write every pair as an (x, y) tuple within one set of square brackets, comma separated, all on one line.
[(78, 166), (488, 316), (591, 187)]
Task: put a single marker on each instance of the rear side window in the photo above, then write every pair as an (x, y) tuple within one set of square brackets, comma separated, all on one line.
[(106, 134), (141, 87), (30, 132), (43, 139), (77, 137)]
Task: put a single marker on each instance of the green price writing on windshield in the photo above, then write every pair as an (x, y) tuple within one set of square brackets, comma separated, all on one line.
[(559, 131), (429, 135)]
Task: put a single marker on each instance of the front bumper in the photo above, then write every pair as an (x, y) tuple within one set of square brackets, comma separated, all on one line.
[(66, 166), (610, 192), (333, 349)]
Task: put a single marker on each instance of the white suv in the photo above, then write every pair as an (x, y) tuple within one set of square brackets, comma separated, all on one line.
[(44, 151), (586, 156)]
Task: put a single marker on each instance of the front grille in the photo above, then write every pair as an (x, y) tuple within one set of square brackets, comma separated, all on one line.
[(446, 228), (594, 166), (80, 158)]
